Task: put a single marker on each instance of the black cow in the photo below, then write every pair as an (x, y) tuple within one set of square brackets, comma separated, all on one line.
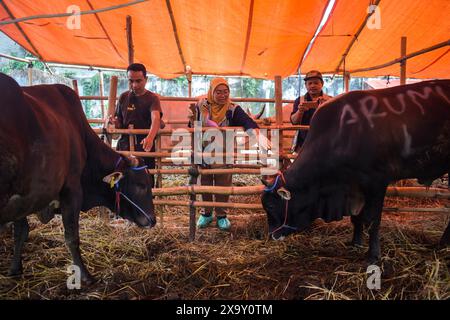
[(358, 143), (50, 157)]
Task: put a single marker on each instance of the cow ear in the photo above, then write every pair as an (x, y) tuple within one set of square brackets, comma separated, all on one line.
[(265, 182), (113, 178), (268, 181), (133, 161), (284, 193)]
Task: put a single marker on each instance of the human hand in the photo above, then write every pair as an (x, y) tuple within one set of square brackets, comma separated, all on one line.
[(147, 144), (114, 121)]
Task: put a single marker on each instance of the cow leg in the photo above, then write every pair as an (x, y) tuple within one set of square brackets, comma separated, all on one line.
[(445, 240), (71, 215), (357, 231), (374, 253), (21, 231), (372, 215)]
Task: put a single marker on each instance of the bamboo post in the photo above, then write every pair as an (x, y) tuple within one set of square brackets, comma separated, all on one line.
[(111, 109), (190, 88), (101, 86), (112, 96), (193, 177), (131, 138), (247, 148), (158, 165), (75, 86), (30, 74), (130, 40), (403, 62), (158, 161), (347, 82), (279, 112), (189, 79)]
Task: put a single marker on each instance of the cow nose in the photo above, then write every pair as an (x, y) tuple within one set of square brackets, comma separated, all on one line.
[(279, 238), (150, 222)]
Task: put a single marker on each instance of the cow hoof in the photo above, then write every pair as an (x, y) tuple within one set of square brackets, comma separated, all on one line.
[(15, 272), (354, 244), (442, 245), (373, 260), (88, 280)]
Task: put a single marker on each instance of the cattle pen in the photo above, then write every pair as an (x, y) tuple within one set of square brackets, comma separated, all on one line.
[(268, 42), (174, 261)]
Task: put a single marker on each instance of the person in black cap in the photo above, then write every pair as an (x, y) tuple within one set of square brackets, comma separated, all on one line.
[(305, 106)]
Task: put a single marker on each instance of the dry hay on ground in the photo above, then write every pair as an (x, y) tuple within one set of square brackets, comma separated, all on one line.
[(133, 263)]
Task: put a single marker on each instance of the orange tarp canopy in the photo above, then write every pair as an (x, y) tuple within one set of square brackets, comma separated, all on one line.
[(259, 38), (424, 23)]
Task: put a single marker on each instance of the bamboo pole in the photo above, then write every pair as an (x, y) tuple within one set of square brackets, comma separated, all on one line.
[(101, 86), (158, 162), (403, 62), (236, 205), (193, 177), (130, 40), (186, 154), (30, 74), (96, 120), (347, 82), (131, 140), (75, 86), (413, 192), (408, 209), (278, 100), (208, 204), (362, 26), (197, 189), (418, 192), (187, 131), (398, 60), (187, 99), (112, 96), (206, 171), (59, 15)]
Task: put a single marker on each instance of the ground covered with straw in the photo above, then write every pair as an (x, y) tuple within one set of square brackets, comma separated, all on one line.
[(133, 263)]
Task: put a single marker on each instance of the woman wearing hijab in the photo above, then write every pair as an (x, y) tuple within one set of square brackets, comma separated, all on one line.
[(217, 110)]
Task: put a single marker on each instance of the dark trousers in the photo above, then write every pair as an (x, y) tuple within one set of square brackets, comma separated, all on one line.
[(224, 180)]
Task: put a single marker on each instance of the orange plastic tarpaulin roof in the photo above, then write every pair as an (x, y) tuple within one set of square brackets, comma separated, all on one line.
[(424, 23), (259, 38)]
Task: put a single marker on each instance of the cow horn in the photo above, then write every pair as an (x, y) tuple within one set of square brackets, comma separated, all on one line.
[(113, 178), (284, 193), (260, 113)]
